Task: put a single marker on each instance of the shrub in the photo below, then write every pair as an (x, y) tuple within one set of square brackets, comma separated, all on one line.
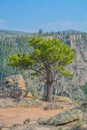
[(35, 97)]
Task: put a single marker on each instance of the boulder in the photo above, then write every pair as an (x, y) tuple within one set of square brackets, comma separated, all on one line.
[(54, 106), (61, 99), (63, 118), (29, 95), (13, 86), (15, 80)]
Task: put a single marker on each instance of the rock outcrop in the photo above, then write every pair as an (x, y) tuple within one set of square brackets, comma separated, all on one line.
[(13, 86), (61, 99), (63, 118), (71, 86), (15, 80), (29, 95)]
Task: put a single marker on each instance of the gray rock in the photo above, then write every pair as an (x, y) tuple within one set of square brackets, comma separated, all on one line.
[(63, 117), (16, 80), (2, 125), (54, 106), (13, 87), (84, 127)]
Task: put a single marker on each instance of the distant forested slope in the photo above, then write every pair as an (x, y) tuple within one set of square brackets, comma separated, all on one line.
[(9, 45)]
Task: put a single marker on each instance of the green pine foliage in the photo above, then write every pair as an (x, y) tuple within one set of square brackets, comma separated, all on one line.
[(52, 52)]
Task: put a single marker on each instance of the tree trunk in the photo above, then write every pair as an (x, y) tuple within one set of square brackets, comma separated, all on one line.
[(49, 82), (49, 93)]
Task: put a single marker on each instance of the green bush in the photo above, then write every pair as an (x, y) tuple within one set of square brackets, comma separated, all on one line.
[(35, 97)]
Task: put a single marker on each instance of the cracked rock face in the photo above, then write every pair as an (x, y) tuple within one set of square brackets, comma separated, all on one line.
[(63, 118)]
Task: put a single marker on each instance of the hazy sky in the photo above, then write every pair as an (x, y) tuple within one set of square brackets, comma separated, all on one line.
[(48, 15)]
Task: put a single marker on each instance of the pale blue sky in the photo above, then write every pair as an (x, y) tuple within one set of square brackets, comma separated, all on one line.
[(48, 15)]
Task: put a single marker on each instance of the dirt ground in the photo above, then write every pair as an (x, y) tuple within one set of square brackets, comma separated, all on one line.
[(20, 114)]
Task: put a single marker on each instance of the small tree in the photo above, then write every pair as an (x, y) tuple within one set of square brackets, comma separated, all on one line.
[(48, 58)]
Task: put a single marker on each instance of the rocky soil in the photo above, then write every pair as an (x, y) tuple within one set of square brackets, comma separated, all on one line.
[(29, 114), (20, 111)]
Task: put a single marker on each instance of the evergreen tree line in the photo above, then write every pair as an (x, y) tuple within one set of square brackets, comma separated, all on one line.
[(9, 44)]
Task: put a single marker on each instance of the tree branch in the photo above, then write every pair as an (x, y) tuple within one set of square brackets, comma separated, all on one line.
[(38, 71)]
